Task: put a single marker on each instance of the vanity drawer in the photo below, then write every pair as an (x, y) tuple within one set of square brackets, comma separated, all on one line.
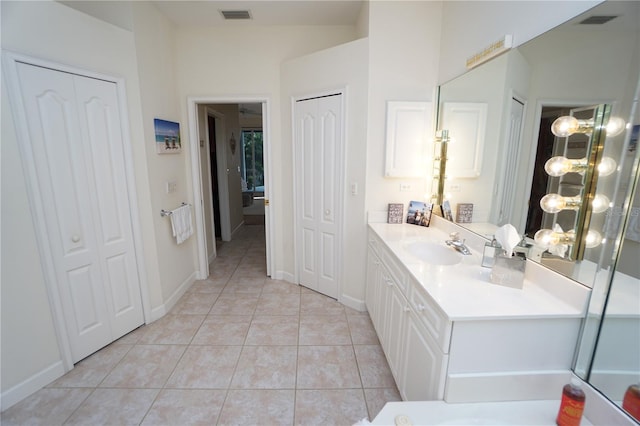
[(396, 269), (375, 243), (430, 315)]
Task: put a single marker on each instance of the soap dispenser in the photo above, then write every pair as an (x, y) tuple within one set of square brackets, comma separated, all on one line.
[(491, 250)]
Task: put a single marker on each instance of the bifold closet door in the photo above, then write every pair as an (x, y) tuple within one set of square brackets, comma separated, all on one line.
[(76, 145), (318, 139)]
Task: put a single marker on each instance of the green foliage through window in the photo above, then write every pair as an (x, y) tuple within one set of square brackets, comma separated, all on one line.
[(252, 159)]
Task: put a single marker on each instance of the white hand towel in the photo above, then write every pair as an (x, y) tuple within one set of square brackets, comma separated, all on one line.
[(181, 223)]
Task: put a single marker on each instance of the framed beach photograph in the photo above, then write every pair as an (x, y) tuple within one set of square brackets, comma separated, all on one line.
[(167, 136), (419, 213)]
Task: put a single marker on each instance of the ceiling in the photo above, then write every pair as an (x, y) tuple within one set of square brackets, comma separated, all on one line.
[(206, 13), (263, 12)]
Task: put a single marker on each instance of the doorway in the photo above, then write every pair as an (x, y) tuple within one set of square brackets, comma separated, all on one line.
[(213, 161), (226, 142)]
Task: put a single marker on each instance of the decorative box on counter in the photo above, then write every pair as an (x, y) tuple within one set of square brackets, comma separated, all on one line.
[(509, 271)]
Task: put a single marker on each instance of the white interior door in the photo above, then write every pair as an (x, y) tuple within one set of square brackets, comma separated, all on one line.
[(318, 145), (76, 146), (512, 152)]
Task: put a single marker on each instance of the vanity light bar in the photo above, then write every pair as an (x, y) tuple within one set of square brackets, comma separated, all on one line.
[(494, 49)]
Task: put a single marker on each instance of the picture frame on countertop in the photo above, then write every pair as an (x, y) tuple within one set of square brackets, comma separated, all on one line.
[(464, 212), (446, 210), (395, 213), (419, 213)]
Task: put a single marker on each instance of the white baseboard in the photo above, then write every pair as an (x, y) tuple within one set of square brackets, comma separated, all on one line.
[(160, 311), (506, 386), (31, 385), (283, 276), (353, 303)]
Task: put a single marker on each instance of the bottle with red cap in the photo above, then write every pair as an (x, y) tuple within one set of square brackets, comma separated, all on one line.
[(631, 401), (572, 404)]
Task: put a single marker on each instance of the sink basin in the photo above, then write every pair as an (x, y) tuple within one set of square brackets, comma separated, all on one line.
[(433, 253)]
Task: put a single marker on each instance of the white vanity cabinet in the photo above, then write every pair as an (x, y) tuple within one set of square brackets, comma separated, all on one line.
[(453, 335), (411, 341)]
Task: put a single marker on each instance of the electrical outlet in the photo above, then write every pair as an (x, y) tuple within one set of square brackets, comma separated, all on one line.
[(404, 187)]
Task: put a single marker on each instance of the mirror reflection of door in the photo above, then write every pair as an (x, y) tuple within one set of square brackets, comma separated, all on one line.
[(568, 185)]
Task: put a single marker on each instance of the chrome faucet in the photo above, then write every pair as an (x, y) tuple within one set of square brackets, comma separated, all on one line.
[(457, 244)]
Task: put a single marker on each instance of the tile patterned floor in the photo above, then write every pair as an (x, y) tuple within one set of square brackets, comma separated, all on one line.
[(237, 349)]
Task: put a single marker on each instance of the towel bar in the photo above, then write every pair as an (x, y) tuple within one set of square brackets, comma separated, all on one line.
[(164, 212)]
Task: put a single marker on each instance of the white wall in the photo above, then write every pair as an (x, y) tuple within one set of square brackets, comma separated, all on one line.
[(52, 31), (404, 46), (470, 26), (154, 43), (240, 62), (29, 345), (339, 67)]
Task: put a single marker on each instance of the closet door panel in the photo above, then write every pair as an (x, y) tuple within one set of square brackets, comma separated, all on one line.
[(63, 186), (101, 129)]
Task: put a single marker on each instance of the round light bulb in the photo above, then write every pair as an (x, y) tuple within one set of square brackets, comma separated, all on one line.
[(600, 203), (564, 126), (593, 239), (606, 166), (553, 203), (545, 238), (557, 166), (615, 126)]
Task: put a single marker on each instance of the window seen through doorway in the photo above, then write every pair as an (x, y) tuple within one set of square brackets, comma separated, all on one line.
[(252, 160)]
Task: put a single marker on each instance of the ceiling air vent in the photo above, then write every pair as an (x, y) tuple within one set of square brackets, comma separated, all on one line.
[(598, 19), (235, 14)]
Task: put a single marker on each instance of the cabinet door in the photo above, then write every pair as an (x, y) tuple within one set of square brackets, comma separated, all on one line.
[(407, 125), (383, 306), (395, 324), (424, 366), (372, 290)]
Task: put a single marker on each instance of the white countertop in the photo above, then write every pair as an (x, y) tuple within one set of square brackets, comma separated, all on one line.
[(539, 413), (465, 292)]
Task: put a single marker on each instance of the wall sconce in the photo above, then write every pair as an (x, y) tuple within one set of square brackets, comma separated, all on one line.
[(439, 165), (591, 167), (566, 126), (547, 238), (554, 203), (558, 166)]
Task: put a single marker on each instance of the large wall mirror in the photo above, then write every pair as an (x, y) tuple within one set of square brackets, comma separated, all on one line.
[(587, 69)]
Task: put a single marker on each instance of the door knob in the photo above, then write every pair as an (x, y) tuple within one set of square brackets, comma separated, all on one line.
[(75, 238)]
